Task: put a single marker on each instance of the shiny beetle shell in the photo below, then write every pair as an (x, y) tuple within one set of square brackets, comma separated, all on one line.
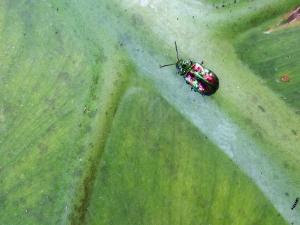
[(200, 78)]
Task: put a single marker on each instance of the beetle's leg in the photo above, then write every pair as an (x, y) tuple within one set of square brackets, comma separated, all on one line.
[(161, 66), (176, 51)]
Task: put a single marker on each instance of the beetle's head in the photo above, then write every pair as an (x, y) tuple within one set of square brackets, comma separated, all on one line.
[(183, 66)]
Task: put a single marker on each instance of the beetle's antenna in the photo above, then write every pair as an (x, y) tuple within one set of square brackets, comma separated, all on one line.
[(161, 66), (176, 51)]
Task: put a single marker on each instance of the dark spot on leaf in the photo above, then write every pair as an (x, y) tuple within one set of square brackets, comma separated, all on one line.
[(88, 128), (64, 76), (92, 114), (100, 56), (137, 20), (3, 199), (78, 173), (286, 165), (295, 203), (51, 128), (43, 147), (261, 108)]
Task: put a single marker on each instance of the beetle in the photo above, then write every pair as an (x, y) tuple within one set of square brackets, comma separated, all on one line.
[(200, 78)]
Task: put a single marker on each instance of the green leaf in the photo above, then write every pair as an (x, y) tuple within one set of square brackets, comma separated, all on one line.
[(92, 131)]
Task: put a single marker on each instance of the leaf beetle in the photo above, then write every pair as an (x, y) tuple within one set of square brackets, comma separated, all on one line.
[(200, 78)]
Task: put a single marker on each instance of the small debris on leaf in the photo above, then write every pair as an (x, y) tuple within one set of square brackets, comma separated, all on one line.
[(295, 203), (294, 15), (285, 78)]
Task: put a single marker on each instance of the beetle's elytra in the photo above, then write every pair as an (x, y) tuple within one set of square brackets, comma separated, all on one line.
[(201, 79)]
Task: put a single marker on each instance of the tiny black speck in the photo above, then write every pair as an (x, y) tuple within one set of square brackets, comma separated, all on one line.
[(295, 203), (261, 108)]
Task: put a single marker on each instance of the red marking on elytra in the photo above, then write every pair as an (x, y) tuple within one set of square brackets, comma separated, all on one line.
[(197, 68)]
